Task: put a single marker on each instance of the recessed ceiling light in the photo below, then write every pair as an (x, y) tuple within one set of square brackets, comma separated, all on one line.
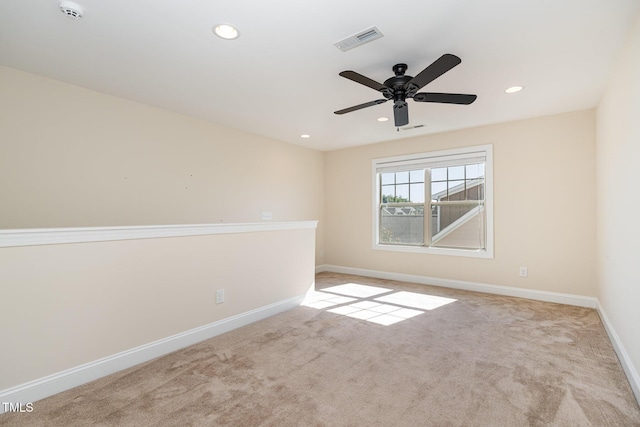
[(382, 119), (514, 89), (304, 135), (226, 31)]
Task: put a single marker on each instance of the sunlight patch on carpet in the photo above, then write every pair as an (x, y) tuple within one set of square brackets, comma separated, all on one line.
[(382, 314), (367, 303), (414, 300), (356, 290), (320, 300)]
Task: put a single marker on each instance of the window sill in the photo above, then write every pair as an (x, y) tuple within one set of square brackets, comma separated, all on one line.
[(485, 253)]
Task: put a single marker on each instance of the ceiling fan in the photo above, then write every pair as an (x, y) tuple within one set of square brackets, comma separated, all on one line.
[(400, 87)]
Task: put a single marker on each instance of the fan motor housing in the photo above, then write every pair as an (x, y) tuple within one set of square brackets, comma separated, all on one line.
[(398, 83)]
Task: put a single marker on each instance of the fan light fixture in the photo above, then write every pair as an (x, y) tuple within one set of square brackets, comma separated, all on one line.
[(514, 89), (226, 31)]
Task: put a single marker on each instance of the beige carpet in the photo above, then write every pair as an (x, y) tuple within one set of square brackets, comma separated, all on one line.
[(410, 355)]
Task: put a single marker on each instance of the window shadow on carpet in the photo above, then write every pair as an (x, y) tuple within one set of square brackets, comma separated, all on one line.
[(374, 304)]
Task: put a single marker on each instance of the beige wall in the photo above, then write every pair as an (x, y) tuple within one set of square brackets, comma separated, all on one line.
[(70, 304), (544, 204), (618, 165), (70, 157)]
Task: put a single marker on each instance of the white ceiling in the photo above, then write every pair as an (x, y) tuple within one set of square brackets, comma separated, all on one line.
[(280, 78)]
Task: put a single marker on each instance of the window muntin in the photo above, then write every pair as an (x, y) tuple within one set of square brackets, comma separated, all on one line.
[(407, 186), (451, 186), (402, 207)]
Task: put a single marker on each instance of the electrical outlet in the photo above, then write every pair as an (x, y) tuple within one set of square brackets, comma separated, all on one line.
[(266, 216), (524, 272), (219, 296)]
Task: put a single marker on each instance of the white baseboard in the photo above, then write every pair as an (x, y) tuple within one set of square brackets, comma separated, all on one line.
[(560, 298), (623, 356), (65, 380)]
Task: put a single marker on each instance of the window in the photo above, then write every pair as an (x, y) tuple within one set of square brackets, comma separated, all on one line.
[(452, 187)]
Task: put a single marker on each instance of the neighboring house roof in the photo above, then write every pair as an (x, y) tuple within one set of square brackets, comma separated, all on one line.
[(457, 189)]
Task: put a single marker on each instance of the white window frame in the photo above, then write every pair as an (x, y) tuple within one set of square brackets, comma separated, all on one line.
[(409, 159)]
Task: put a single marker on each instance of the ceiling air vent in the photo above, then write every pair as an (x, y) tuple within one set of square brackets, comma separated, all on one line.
[(365, 36)]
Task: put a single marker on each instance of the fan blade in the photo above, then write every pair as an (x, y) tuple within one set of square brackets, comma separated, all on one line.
[(444, 98), (361, 106), (432, 72), (401, 113), (359, 78)]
